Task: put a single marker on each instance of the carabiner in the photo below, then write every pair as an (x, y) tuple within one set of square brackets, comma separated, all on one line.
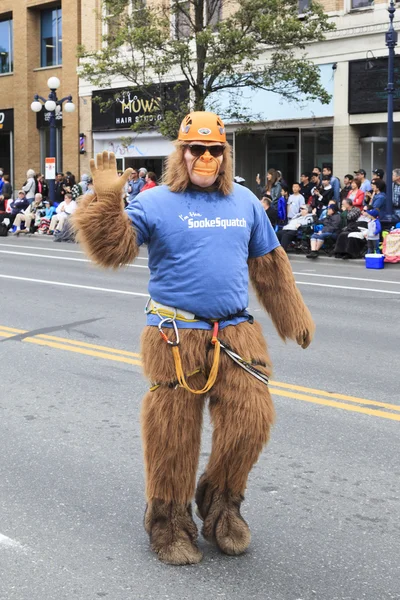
[(175, 328)]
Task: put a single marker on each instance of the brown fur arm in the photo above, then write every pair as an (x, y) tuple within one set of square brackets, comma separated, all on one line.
[(272, 278), (105, 231), (103, 228)]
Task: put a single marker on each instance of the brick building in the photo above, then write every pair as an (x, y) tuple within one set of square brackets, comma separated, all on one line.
[(38, 40)]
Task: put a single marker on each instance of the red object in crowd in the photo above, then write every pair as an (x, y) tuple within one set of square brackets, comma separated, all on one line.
[(358, 201), (150, 184)]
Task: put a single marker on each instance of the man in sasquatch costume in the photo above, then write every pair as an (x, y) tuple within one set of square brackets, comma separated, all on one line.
[(205, 236)]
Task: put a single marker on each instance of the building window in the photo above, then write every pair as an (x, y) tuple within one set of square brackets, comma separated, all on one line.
[(51, 37), (182, 19), (213, 12), (361, 4), (303, 6), (6, 45)]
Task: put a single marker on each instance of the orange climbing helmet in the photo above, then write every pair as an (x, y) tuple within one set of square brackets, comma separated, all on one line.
[(202, 125)]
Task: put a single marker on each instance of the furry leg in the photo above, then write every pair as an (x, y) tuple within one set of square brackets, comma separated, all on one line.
[(242, 414), (171, 424)]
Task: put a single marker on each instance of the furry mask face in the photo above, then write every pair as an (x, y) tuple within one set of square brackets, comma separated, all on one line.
[(180, 170), (203, 163)]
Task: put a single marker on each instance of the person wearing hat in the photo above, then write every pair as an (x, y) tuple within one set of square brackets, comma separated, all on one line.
[(374, 230), (331, 227), (365, 184), (206, 237), (378, 174)]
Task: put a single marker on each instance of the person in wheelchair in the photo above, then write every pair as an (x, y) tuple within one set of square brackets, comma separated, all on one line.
[(297, 224), (331, 227)]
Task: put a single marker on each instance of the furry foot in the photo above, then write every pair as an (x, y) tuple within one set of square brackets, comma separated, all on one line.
[(222, 521), (173, 533)]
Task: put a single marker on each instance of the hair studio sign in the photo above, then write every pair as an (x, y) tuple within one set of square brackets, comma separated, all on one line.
[(122, 108)]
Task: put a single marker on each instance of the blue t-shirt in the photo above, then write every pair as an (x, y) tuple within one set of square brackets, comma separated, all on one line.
[(198, 245)]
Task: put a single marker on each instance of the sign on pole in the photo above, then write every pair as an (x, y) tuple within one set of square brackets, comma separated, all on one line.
[(50, 164)]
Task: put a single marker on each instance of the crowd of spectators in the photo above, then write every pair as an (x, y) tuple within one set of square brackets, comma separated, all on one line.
[(32, 211), (345, 219)]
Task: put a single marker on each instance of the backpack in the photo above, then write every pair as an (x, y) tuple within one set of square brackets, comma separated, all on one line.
[(378, 227), (3, 230)]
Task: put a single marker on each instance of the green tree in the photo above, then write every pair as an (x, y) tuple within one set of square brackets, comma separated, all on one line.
[(258, 45)]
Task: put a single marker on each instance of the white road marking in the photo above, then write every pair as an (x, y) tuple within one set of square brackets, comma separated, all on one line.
[(86, 260), (8, 542), (101, 289), (346, 287), (346, 277), (74, 285), (22, 246)]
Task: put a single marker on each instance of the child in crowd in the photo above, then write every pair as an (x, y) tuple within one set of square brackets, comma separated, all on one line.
[(374, 230), (294, 202)]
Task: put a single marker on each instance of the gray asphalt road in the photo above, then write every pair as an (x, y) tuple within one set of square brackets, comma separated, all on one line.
[(322, 502)]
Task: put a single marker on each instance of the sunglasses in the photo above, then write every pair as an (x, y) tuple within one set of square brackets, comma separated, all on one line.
[(303, 207), (198, 150)]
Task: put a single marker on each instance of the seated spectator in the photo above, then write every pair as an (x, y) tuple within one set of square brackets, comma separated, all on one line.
[(151, 181), (347, 186), (356, 195), (294, 202), (17, 206), (331, 228), (350, 224), (28, 215), (324, 211), (44, 221), (322, 194), (306, 186), (290, 231), (272, 213), (378, 197), (63, 211)]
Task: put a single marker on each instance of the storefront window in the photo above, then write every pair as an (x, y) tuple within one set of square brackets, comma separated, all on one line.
[(316, 148), (361, 3), (6, 46), (51, 37)]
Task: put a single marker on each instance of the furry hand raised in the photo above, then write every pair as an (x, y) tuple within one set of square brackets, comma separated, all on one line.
[(105, 176)]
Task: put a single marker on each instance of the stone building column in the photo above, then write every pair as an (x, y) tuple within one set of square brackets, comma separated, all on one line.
[(346, 144)]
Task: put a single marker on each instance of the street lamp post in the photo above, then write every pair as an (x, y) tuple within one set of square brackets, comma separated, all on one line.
[(391, 43), (52, 105)]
